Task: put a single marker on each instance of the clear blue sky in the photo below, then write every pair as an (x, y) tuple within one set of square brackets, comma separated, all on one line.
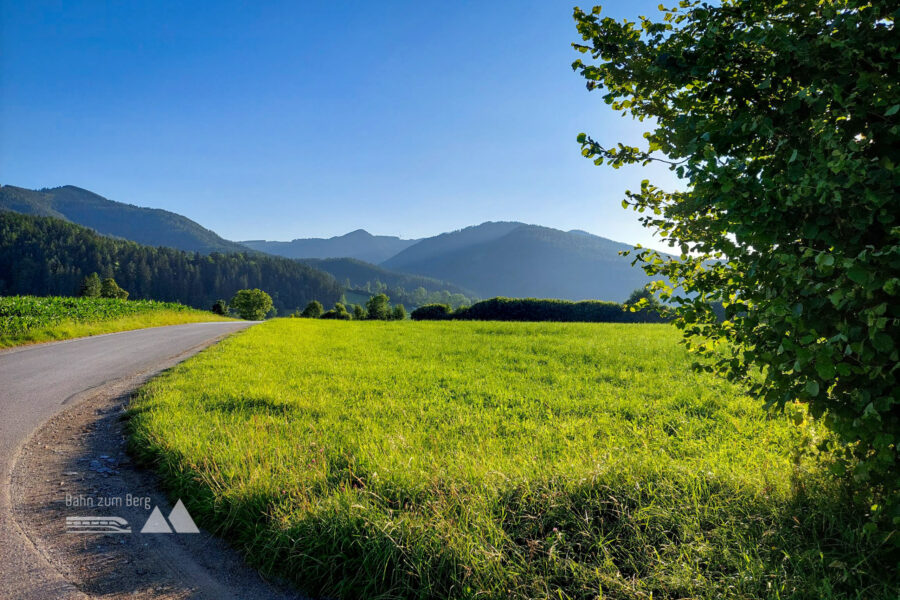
[(298, 119)]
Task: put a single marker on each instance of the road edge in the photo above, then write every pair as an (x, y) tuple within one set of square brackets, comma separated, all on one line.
[(46, 580)]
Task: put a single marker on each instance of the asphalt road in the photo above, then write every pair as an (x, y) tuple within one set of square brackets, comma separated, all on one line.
[(36, 382)]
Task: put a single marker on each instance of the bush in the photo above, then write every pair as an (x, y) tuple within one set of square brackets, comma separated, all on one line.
[(110, 289), (252, 305), (431, 312), (359, 313), (338, 312), (220, 307), (313, 310), (379, 308), (398, 313)]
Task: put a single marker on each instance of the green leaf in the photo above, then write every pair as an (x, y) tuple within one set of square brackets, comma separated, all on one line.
[(882, 342), (812, 388), (892, 110)]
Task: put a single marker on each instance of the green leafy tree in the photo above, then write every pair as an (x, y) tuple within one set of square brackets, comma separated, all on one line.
[(359, 313), (783, 119), (252, 305), (378, 307), (90, 286), (398, 313), (110, 289), (313, 310), (338, 312), (220, 307)]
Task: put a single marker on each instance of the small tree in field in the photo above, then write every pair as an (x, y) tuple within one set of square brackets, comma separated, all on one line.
[(379, 308), (783, 119), (313, 310), (90, 286), (359, 313), (110, 289), (398, 313), (338, 312), (252, 305)]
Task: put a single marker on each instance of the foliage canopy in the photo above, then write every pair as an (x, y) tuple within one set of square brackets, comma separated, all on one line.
[(783, 118), (252, 305)]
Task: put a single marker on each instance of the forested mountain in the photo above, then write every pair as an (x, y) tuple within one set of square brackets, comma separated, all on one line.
[(410, 290), (517, 260), (448, 243), (48, 256), (150, 226), (359, 244)]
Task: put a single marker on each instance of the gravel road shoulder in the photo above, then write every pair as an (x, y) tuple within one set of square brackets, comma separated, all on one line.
[(79, 457)]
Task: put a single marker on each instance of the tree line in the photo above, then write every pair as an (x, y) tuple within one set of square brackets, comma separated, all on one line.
[(47, 256), (535, 309), (378, 308)]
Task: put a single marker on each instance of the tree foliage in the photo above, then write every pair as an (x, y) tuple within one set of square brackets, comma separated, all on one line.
[(220, 307), (313, 310), (378, 307), (338, 312), (398, 313), (252, 305), (432, 312), (783, 119), (110, 289), (90, 286)]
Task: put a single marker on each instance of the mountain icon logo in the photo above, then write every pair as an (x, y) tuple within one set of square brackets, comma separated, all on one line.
[(180, 520)]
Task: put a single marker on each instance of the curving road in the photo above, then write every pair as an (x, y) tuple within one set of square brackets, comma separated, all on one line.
[(36, 382)]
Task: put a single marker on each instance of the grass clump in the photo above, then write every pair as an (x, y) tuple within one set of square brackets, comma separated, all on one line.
[(500, 460), (29, 319)]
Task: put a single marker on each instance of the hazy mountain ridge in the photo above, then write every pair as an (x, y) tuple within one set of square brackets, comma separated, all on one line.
[(149, 226), (358, 244), (518, 260), (358, 273)]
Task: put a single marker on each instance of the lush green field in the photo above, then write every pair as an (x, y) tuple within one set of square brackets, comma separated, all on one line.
[(25, 319), (499, 460)]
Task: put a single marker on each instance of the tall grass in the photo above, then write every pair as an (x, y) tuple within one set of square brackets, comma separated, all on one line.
[(500, 460), (25, 319)]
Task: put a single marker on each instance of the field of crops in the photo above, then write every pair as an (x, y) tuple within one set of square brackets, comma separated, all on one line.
[(37, 318), (500, 460)]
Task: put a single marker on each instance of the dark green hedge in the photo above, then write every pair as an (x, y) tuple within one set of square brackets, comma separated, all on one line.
[(536, 309), (432, 312)]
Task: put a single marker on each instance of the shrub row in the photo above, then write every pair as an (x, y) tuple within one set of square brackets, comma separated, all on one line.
[(536, 309)]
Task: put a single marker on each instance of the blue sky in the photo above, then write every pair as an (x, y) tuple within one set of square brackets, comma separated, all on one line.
[(279, 120)]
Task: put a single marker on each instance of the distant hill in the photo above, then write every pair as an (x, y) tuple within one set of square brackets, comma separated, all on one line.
[(359, 244), (49, 256), (519, 260), (410, 290), (150, 226)]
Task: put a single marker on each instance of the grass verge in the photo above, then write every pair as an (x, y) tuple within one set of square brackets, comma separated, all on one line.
[(33, 319), (500, 460)]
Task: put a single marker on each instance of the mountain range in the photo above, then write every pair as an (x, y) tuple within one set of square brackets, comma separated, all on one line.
[(492, 259), (150, 226), (359, 244)]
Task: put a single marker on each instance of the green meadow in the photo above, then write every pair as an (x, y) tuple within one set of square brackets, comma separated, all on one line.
[(500, 460)]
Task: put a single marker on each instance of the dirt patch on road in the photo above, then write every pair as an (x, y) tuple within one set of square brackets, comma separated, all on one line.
[(76, 466)]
